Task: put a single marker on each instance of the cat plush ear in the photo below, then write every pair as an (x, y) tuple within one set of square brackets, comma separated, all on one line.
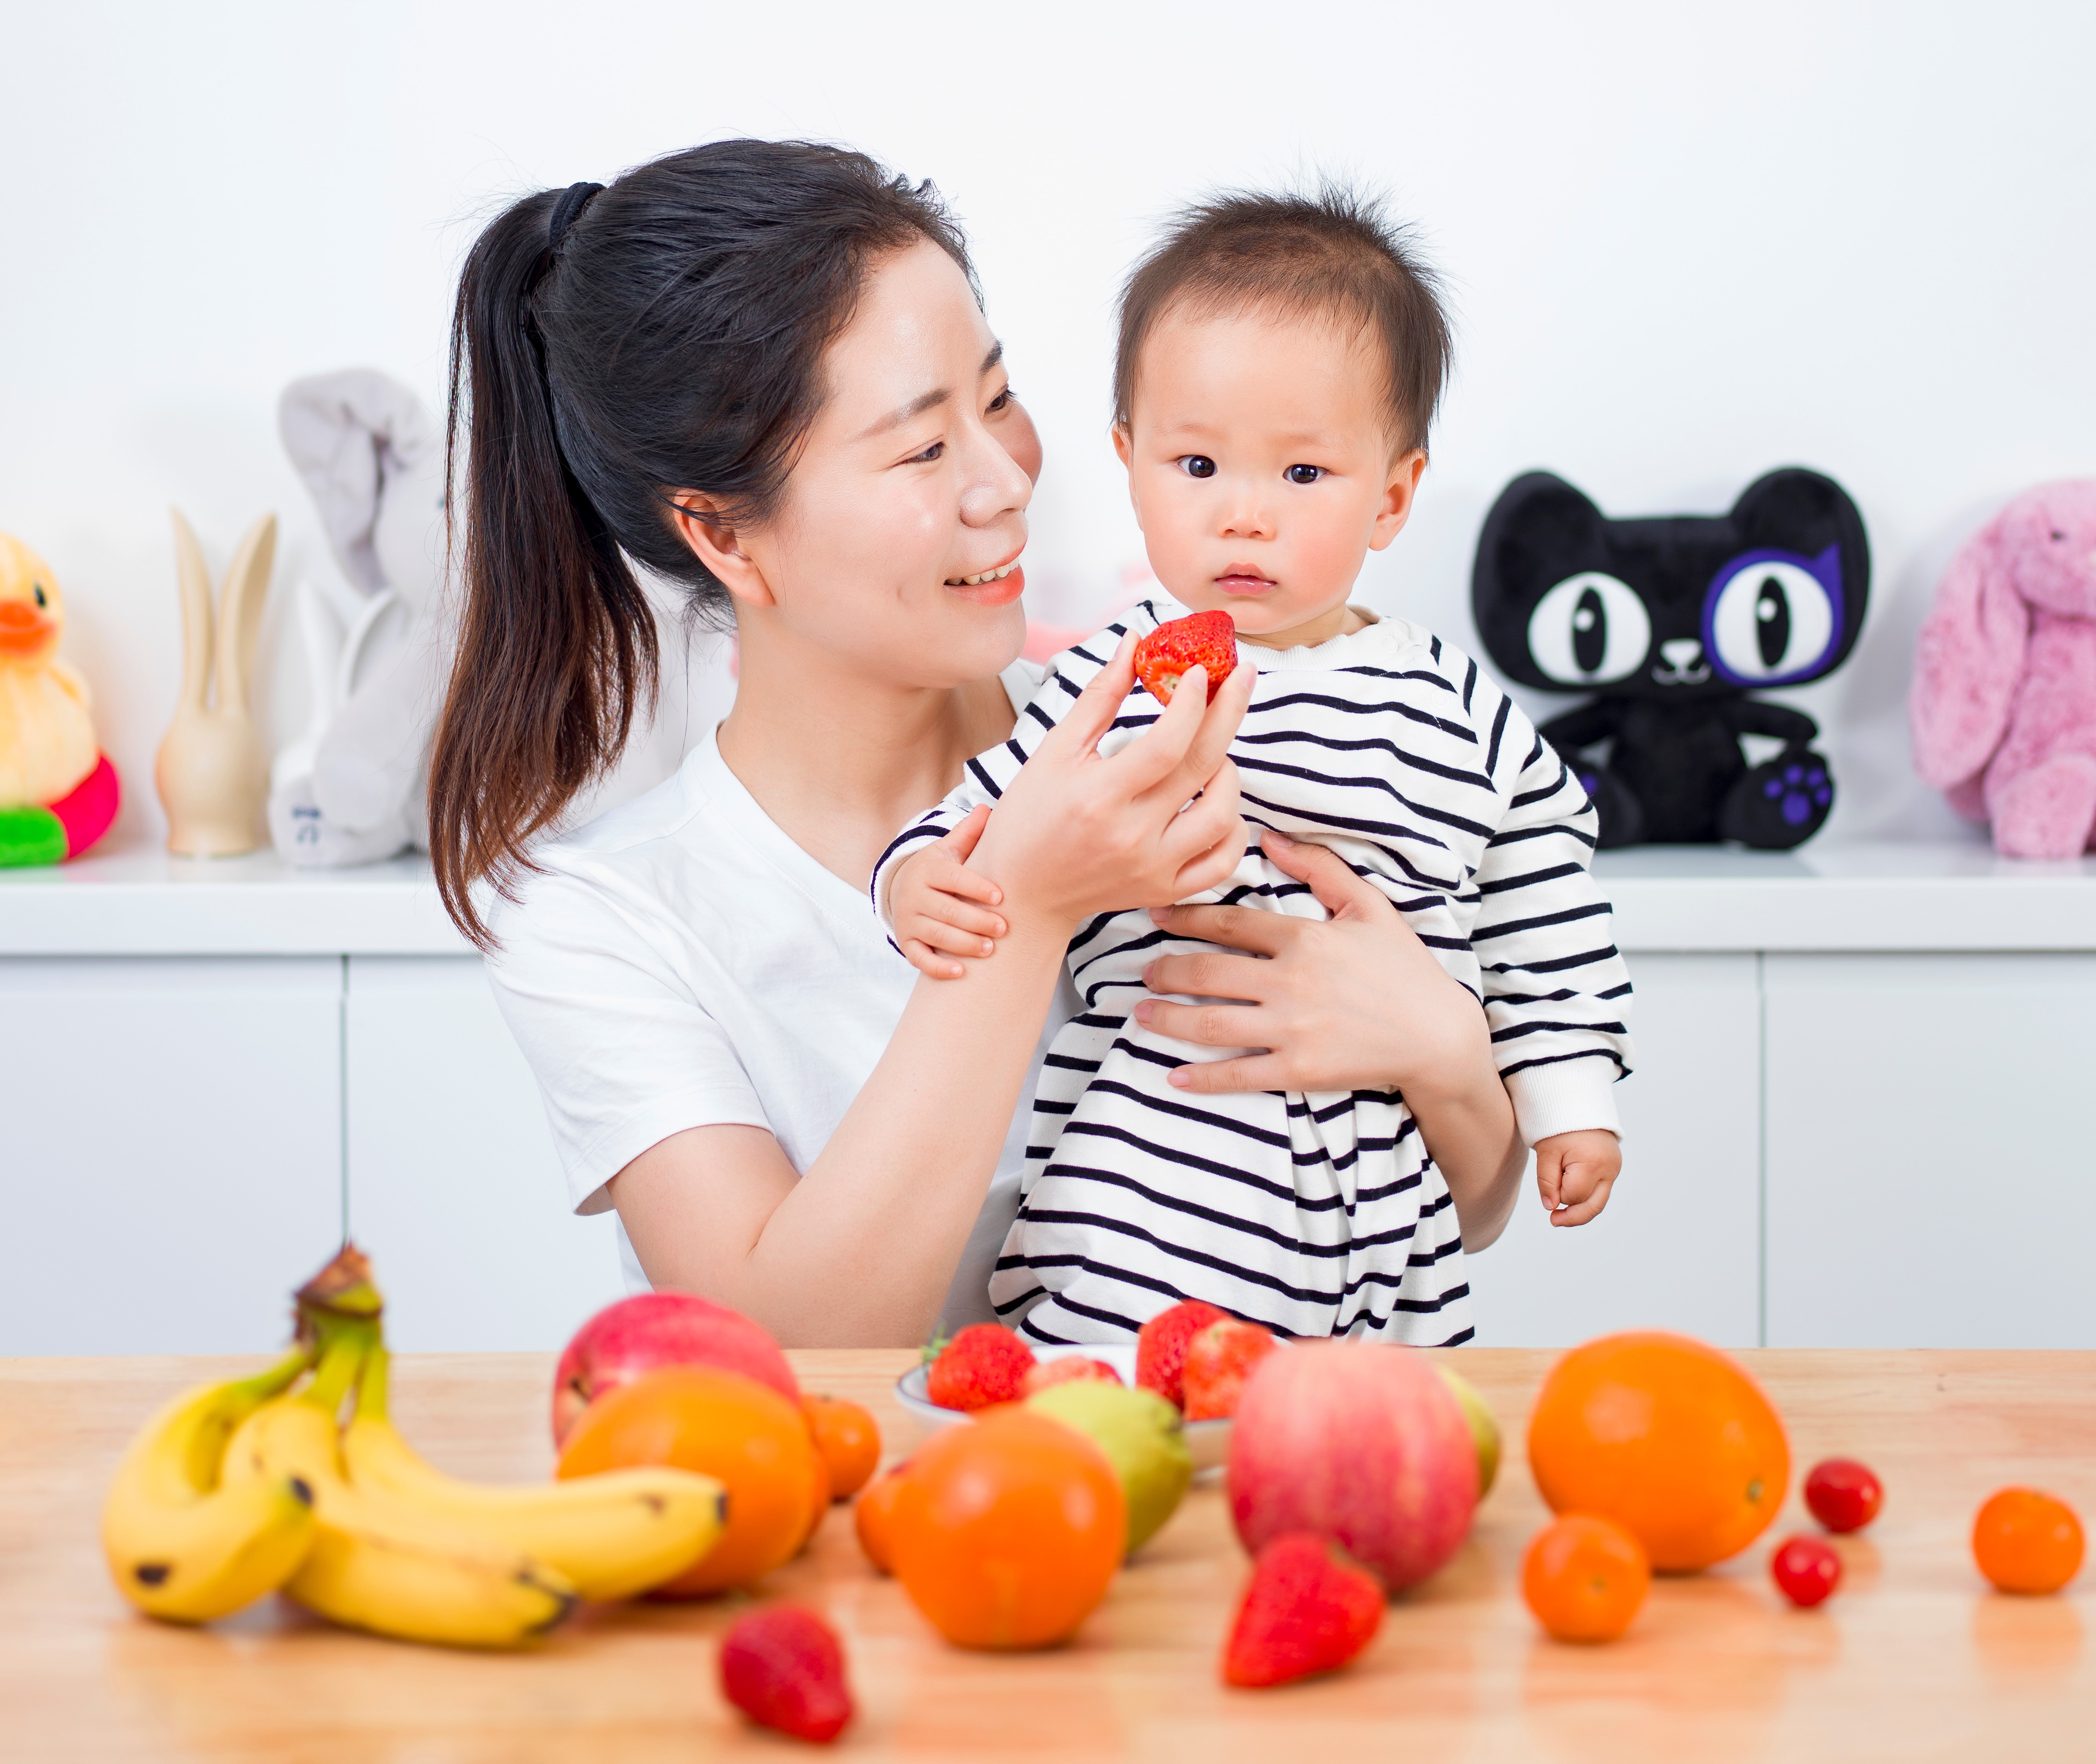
[(1540, 532), (1794, 510)]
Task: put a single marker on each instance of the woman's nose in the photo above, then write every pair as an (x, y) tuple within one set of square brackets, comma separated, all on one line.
[(998, 485)]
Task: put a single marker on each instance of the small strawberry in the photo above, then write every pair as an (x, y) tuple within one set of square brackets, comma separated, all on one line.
[(1048, 1373), (1310, 1608), (1160, 1346), (1202, 639), (1219, 1359), (784, 1668), (983, 1364)]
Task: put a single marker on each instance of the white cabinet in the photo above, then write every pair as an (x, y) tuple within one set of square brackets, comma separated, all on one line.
[(170, 1149), (1931, 1181), (1678, 1245), (454, 1191)]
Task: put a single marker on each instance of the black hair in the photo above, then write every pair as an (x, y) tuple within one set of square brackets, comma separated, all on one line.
[(670, 339), (1330, 255)]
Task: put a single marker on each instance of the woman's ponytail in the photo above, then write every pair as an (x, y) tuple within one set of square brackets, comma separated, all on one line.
[(670, 338)]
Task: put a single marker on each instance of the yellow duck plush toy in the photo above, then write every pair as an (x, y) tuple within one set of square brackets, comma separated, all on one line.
[(58, 790)]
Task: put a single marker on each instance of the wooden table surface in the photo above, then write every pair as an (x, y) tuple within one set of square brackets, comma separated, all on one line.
[(1913, 1658)]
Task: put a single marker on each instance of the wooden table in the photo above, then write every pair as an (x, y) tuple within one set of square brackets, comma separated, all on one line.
[(1913, 1658)]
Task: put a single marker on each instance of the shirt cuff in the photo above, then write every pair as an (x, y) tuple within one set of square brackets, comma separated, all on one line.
[(1565, 1096)]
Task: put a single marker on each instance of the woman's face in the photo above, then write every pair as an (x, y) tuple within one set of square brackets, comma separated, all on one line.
[(910, 488)]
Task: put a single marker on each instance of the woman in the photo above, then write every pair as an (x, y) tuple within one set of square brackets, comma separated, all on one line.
[(760, 370)]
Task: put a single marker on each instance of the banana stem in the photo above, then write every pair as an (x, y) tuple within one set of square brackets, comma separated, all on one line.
[(371, 1383), (278, 1378), (342, 1351)]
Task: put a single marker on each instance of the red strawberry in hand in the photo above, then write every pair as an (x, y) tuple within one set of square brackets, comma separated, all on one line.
[(1219, 1359), (1161, 1344), (1310, 1608), (784, 1668), (1200, 640), (985, 1364)]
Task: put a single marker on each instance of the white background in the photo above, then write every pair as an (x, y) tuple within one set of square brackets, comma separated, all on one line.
[(1685, 244)]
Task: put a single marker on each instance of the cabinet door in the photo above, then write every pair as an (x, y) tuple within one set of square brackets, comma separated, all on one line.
[(1678, 1245), (170, 1150), (1931, 1181), (454, 1189)]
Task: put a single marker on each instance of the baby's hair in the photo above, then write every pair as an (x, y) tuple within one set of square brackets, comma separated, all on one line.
[(1333, 255)]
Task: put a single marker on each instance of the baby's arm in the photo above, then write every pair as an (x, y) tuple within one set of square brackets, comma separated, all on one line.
[(1557, 991), (938, 907)]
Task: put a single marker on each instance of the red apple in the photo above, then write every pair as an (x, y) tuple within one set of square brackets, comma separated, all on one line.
[(662, 1329), (1360, 1442)]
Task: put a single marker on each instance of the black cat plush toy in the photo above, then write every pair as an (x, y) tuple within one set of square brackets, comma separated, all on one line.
[(1671, 623)]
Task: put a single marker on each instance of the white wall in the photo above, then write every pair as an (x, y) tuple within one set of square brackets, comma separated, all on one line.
[(1687, 244)]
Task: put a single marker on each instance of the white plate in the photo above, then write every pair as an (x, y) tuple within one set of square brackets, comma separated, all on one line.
[(1207, 1441)]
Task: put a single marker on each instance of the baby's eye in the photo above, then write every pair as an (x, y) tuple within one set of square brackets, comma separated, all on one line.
[(1303, 474), (1199, 466)]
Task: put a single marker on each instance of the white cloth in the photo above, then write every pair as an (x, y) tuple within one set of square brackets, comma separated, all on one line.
[(681, 963), (1321, 1214)]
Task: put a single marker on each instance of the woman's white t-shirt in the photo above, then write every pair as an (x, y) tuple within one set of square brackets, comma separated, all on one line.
[(681, 963)]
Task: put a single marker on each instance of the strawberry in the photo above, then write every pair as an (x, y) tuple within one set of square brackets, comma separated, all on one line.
[(1202, 639), (784, 1668), (1053, 1371), (981, 1365), (1310, 1608), (1160, 1346), (1219, 1359)]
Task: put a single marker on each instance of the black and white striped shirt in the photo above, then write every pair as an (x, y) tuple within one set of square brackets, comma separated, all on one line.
[(1321, 1214)]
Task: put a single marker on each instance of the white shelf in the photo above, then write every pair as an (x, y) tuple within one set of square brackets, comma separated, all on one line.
[(1935, 897)]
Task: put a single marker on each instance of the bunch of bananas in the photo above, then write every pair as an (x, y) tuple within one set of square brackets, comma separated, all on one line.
[(239, 1489)]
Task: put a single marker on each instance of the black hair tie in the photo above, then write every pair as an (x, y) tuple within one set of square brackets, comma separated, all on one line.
[(574, 199)]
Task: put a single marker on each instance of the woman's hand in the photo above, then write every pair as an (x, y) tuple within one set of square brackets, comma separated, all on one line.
[(1077, 834), (1355, 1002)]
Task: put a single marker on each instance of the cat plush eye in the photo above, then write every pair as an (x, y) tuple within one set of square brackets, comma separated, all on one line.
[(1771, 618), (1591, 628)]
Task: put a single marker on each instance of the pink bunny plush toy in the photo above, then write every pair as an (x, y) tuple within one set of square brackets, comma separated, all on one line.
[(2004, 699)]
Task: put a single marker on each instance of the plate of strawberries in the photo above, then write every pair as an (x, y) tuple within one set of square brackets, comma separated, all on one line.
[(1195, 1356)]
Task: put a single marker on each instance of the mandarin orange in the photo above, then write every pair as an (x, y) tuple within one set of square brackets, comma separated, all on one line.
[(1668, 1437), (1584, 1578), (849, 1440), (728, 1427), (1008, 1530), (873, 1518), (2027, 1541)]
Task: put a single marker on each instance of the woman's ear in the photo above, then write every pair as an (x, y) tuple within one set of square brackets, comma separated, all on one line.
[(717, 543), (1398, 492)]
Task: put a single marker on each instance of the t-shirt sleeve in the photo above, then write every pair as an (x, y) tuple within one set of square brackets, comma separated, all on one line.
[(623, 1056), (1556, 990)]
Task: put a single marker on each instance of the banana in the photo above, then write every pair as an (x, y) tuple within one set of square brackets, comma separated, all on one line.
[(378, 1562), (613, 1535), (180, 1544)]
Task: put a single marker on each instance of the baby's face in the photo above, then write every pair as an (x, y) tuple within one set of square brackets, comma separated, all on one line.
[(1260, 465)]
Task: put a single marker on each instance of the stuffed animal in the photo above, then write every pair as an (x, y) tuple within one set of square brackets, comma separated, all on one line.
[(1671, 623), (2004, 699), (352, 788), (57, 791)]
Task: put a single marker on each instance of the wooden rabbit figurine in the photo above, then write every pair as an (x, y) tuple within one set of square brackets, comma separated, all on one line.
[(212, 772)]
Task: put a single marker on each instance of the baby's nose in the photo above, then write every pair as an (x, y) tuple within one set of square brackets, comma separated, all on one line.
[(1680, 651)]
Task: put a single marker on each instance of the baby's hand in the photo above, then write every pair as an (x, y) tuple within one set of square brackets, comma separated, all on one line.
[(928, 903), (1574, 1171)]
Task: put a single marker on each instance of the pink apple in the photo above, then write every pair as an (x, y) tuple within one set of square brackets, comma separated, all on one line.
[(662, 1329), (1360, 1442)]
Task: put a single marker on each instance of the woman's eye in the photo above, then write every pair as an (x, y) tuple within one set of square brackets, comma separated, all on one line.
[(928, 456), (1199, 466), (1303, 474), (1002, 399)]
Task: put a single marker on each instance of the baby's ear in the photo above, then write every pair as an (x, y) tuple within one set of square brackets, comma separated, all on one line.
[(1122, 447)]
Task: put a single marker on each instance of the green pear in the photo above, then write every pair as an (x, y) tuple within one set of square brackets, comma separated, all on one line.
[(1484, 1430), (1139, 1432)]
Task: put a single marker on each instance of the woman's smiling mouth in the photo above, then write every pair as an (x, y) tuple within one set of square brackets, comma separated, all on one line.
[(993, 587)]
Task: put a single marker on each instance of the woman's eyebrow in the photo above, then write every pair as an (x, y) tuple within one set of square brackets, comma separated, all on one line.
[(925, 401)]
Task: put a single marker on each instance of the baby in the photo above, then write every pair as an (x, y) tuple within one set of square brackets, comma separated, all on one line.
[(1280, 359)]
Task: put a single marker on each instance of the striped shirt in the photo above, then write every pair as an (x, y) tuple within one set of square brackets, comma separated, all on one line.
[(1318, 1214)]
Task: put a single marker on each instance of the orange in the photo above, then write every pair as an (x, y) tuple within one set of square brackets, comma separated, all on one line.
[(1666, 1436), (874, 1518), (1584, 1578), (728, 1427), (849, 1440), (1008, 1529), (2027, 1542)]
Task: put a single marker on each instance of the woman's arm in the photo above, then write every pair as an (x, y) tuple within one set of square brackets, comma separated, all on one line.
[(859, 1249), (1355, 1002)]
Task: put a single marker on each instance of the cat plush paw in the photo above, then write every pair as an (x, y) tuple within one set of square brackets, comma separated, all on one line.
[(1781, 803)]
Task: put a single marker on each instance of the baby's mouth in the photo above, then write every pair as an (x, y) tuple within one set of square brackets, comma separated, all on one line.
[(1245, 581)]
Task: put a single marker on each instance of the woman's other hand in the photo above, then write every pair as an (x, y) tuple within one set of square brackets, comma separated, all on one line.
[(1077, 833), (1354, 1001)]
